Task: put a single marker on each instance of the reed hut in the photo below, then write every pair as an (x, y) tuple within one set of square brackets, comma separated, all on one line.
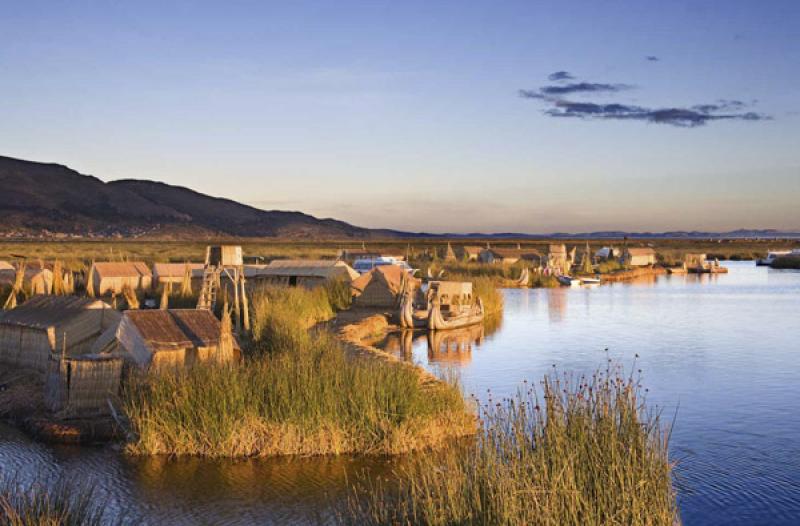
[(173, 338), (164, 273), (112, 277), (639, 257), (37, 279), (381, 286), (557, 258), (502, 256), (306, 272), (44, 324), (81, 386), (695, 261)]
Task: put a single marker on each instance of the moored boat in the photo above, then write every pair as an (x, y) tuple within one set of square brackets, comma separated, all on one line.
[(568, 281), (438, 320)]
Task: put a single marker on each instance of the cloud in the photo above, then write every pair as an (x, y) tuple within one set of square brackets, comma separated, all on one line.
[(685, 117), (682, 117), (583, 87), (652, 58), (560, 75)]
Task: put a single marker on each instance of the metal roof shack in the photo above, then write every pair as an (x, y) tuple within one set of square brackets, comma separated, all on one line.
[(306, 272)]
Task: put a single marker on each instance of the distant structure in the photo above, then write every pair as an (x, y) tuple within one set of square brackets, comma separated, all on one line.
[(557, 260), (111, 277), (468, 253), (37, 279), (307, 273), (174, 273), (639, 257)]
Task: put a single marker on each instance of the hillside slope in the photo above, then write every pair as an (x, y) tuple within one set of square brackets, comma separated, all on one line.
[(42, 197)]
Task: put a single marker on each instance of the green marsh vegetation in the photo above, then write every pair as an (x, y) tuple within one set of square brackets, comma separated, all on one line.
[(786, 262), (573, 452)]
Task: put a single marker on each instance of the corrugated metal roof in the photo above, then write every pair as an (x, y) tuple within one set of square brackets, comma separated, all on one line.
[(175, 328), (121, 269), (43, 311), (322, 268)]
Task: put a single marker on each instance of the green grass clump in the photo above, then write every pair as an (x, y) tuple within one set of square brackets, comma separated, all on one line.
[(585, 452), (539, 280), (310, 399), (57, 504)]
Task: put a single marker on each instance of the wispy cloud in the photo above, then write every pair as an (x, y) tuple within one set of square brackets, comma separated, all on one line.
[(685, 117), (652, 58), (560, 75)]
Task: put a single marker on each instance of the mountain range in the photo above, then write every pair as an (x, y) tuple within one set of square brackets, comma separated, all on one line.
[(52, 200)]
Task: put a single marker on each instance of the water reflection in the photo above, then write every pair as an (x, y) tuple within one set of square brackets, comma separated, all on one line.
[(453, 346)]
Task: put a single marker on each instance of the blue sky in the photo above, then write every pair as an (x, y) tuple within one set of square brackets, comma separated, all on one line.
[(409, 115)]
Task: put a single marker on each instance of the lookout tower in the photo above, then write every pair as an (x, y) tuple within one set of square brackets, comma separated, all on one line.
[(227, 260)]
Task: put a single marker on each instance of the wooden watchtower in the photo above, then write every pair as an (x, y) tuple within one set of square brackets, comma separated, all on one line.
[(227, 260)]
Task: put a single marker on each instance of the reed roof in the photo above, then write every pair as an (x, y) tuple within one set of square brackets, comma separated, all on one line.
[(175, 328), (121, 269), (641, 251), (43, 311), (177, 270), (389, 275), (322, 268)]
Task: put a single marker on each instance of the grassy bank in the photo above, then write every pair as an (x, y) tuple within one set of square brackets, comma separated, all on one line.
[(584, 452), (58, 504), (787, 262), (298, 392)]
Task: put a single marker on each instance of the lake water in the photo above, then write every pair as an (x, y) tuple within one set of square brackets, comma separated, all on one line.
[(718, 353)]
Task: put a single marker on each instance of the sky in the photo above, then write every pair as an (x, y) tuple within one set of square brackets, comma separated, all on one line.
[(530, 117)]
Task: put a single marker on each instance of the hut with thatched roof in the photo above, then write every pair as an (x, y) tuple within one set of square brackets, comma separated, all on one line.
[(112, 277), (305, 272), (468, 253), (381, 286), (169, 338), (174, 273), (558, 259), (45, 324), (81, 386)]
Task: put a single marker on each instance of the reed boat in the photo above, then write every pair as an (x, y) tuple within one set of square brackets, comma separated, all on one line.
[(438, 320), (772, 255), (411, 318), (590, 281)]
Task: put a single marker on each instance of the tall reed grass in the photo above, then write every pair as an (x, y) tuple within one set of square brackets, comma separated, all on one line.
[(584, 451), (56, 504), (309, 399)]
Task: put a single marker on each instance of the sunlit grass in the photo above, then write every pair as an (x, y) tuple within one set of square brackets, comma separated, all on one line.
[(577, 451)]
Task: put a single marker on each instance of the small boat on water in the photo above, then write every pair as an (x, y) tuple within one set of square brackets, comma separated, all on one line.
[(454, 319), (568, 281), (772, 255), (590, 281), (440, 313)]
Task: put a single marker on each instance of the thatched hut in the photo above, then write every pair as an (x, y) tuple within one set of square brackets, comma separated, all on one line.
[(639, 257), (468, 253), (381, 286), (37, 279), (305, 272), (82, 385), (174, 273), (558, 259), (46, 324), (112, 277), (167, 338)]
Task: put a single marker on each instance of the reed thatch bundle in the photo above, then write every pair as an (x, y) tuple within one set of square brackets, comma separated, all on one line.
[(69, 283), (165, 297), (19, 279), (130, 297), (90, 282), (186, 284), (58, 279), (225, 350)]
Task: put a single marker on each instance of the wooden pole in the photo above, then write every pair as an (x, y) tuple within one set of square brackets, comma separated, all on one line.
[(245, 308), (236, 300)]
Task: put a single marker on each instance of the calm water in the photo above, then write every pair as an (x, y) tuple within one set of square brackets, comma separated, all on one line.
[(719, 352)]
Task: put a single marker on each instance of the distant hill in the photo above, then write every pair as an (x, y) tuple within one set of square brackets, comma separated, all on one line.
[(51, 200), (44, 199)]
